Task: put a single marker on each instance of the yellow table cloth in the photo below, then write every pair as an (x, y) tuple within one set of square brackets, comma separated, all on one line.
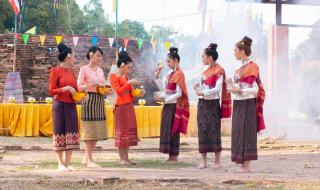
[(34, 120)]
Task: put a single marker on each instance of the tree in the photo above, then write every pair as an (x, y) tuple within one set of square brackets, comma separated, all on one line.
[(95, 19), (310, 48), (162, 33), (74, 20), (51, 19), (6, 17), (308, 51), (39, 13), (133, 29), (308, 98)]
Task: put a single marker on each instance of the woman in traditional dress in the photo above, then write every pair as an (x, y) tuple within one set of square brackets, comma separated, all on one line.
[(175, 112), (62, 84), (93, 117), (124, 114), (209, 110), (248, 98)]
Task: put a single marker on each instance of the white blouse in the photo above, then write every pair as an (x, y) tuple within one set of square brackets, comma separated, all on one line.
[(169, 97), (249, 91), (211, 93)]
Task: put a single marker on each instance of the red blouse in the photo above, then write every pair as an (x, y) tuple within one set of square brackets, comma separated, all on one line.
[(122, 88), (59, 78)]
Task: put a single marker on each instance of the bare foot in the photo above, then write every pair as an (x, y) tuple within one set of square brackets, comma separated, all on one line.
[(124, 162), (202, 166), (217, 166), (131, 163), (93, 165), (242, 170), (71, 168), (84, 161), (62, 168)]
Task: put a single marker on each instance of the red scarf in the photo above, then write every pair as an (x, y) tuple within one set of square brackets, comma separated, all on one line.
[(248, 74), (182, 114), (212, 74)]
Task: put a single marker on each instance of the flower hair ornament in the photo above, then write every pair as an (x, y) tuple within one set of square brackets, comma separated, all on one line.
[(122, 64), (69, 55), (91, 53)]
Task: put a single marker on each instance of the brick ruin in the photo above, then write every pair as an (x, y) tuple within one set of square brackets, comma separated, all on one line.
[(34, 61)]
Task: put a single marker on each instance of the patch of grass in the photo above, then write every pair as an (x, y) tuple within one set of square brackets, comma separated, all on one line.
[(141, 163), (278, 187), (121, 185), (25, 168), (251, 184), (308, 185), (265, 185), (145, 163), (54, 165)]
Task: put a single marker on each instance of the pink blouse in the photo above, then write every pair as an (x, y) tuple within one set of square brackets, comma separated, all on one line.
[(88, 75)]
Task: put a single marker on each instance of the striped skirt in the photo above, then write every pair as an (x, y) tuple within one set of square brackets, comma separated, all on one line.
[(244, 131), (169, 143), (125, 126), (209, 126), (65, 126), (93, 118)]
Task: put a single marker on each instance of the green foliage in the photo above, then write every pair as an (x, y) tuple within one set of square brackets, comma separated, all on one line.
[(6, 17), (308, 51), (36, 13), (310, 48), (95, 19), (68, 18), (308, 101), (133, 29), (162, 33)]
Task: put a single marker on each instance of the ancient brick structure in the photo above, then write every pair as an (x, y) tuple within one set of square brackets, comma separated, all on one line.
[(34, 61)]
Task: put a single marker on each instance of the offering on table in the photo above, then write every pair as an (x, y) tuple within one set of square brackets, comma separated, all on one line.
[(31, 100), (11, 99), (48, 100), (141, 102)]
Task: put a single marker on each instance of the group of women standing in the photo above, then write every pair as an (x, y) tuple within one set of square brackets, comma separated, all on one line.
[(63, 84), (215, 102)]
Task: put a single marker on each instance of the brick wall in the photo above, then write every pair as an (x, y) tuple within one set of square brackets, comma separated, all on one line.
[(34, 61)]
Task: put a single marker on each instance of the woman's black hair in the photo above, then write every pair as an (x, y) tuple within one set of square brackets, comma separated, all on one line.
[(63, 51), (124, 58), (94, 49), (211, 50), (173, 54)]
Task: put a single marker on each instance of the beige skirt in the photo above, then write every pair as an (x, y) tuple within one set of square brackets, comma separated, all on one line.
[(93, 130), (93, 118)]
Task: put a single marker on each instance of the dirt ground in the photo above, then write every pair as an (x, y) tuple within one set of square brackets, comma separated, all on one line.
[(29, 163)]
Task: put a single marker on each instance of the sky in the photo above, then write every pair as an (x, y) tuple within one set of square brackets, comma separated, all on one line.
[(185, 17)]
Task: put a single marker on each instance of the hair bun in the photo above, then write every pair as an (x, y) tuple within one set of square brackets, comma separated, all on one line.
[(123, 57), (213, 46), (62, 47), (174, 50), (123, 54), (247, 41)]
